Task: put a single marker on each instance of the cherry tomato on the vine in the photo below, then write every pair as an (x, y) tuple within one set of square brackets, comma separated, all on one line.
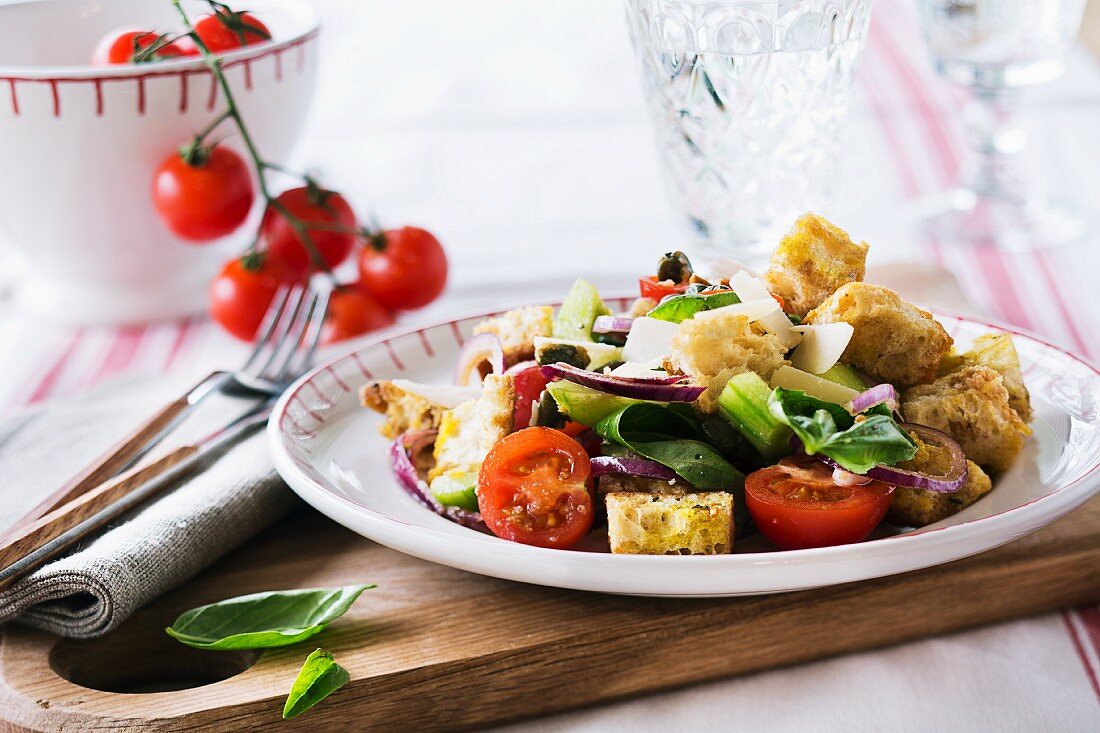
[(311, 205), (203, 195), (120, 47), (403, 268), (352, 312), (226, 30), (241, 294), (534, 488)]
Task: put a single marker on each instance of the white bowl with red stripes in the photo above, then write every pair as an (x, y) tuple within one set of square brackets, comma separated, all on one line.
[(79, 145), (328, 449)]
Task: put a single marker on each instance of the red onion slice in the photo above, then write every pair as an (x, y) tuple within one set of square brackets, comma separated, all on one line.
[(485, 347), (612, 324), (658, 389), (640, 467), (402, 451), (955, 478), (949, 483), (880, 394)]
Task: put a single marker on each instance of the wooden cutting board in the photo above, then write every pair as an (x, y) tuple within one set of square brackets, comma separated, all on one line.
[(434, 648)]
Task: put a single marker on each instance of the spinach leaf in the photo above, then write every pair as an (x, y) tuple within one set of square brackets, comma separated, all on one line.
[(680, 308), (672, 436), (319, 677), (262, 620), (828, 429)]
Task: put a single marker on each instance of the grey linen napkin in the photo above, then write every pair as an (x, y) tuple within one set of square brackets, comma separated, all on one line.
[(151, 550)]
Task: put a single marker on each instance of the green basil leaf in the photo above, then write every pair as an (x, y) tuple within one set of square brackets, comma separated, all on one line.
[(672, 436), (829, 430), (262, 620), (878, 439), (680, 308), (319, 677)]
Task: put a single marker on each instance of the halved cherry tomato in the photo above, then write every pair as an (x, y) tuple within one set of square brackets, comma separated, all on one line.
[(529, 383), (797, 504), (352, 312), (534, 488), (227, 29), (206, 197), (651, 287), (333, 236), (120, 47)]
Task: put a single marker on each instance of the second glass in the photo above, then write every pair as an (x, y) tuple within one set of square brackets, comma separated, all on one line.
[(749, 99)]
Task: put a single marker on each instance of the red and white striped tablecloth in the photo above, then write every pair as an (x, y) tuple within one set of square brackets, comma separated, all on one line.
[(529, 182)]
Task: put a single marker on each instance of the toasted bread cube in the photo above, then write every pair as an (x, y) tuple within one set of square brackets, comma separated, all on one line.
[(517, 330), (716, 348), (920, 507), (468, 432), (971, 404), (998, 352), (814, 260), (893, 341), (641, 306), (404, 411), (670, 524)]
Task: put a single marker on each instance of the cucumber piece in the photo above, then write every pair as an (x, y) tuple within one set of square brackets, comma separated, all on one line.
[(744, 403), (579, 309), (845, 375), (584, 405), (581, 354), (456, 488)]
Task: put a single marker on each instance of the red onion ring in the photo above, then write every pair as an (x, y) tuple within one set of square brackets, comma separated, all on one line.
[(612, 324), (639, 467), (880, 394), (485, 347), (401, 452), (658, 389), (954, 480)]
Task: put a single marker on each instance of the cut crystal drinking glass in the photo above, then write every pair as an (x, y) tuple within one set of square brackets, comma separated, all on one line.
[(749, 99)]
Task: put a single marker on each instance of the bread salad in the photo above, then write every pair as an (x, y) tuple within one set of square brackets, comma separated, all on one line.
[(804, 404)]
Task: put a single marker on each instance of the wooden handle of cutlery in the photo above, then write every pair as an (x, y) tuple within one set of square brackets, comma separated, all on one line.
[(110, 464), (30, 537)]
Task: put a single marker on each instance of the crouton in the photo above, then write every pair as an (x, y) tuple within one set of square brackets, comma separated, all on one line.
[(812, 262), (971, 404), (404, 411), (517, 330), (670, 524), (893, 341), (716, 348), (920, 507), (468, 432), (996, 351)]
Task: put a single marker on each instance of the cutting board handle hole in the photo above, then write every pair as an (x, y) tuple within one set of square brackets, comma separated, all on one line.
[(144, 662)]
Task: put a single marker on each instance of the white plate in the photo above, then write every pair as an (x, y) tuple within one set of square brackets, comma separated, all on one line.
[(328, 449)]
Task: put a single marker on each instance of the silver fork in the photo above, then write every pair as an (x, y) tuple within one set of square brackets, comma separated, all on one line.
[(283, 349)]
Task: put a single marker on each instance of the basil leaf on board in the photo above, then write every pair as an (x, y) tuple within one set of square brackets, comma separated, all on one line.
[(680, 308), (319, 677), (262, 620), (829, 430), (671, 435)]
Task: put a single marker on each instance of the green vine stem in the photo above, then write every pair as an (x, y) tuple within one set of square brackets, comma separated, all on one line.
[(232, 112)]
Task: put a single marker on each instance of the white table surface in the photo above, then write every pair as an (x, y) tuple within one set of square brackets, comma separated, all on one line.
[(516, 131)]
